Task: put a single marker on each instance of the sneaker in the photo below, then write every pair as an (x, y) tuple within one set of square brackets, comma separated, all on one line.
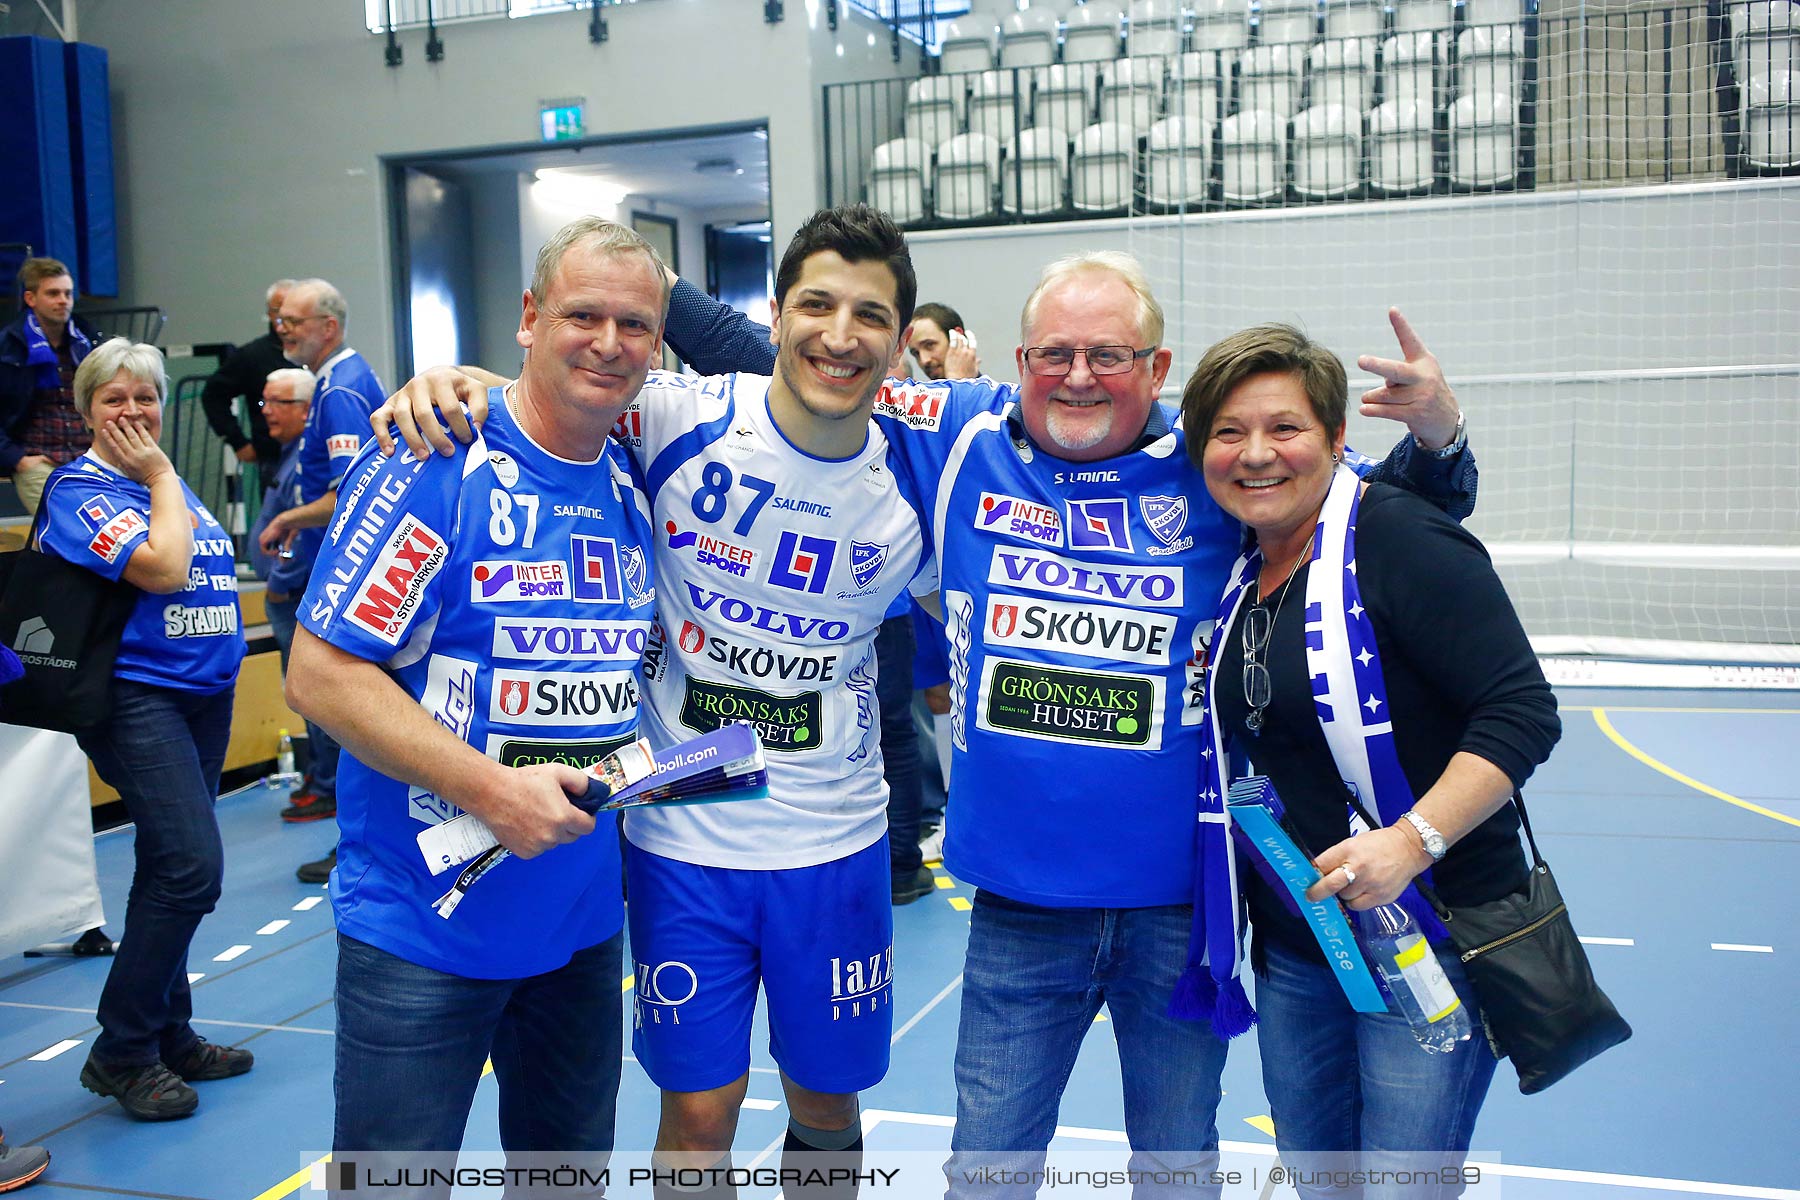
[(931, 846), (151, 1093), (308, 806), (317, 872), (906, 890), (19, 1165), (208, 1060)]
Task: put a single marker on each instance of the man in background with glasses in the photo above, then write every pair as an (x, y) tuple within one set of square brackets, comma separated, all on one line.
[(311, 325), (243, 373)]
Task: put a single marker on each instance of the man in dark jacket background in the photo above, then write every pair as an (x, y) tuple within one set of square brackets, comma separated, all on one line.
[(243, 373)]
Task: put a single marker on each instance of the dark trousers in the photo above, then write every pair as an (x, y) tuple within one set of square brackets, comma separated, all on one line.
[(162, 749), (894, 646)]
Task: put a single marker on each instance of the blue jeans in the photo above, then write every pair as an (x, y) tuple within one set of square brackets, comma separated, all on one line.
[(1034, 980), (162, 749), (1339, 1081), (411, 1042), (899, 743), (322, 765)]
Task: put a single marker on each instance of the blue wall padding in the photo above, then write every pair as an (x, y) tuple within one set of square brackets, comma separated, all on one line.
[(91, 158), (37, 200)]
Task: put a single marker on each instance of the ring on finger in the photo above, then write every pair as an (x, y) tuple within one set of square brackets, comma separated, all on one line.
[(1349, 875)]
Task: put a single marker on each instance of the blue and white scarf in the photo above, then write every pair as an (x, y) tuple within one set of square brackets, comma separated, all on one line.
[(40, 354), (1350, 698)]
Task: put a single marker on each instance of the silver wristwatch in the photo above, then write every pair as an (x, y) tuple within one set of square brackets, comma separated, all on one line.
[(1458, 440), (1435, 845)]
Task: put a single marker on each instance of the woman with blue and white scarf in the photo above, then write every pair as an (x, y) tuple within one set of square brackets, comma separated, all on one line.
[(1366, 659)]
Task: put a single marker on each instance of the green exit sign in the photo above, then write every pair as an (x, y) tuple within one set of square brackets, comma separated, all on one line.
[(562, 122)]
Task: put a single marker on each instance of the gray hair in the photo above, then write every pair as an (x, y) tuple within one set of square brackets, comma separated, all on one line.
[(303, 381), (280, 285), (1100, 262), (602, 236), (140, 360), (326, 299)]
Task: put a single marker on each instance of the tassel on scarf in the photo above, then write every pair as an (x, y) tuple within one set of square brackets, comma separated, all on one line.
[(1196, 995), (1232, 1014)]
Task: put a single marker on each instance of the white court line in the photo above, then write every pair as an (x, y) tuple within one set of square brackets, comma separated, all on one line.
[(89, 1012), (308, 904), (50, 1052), (1606, 941), (761, 1105), (196, 976), (1745, 949), (273, 927), (875, 1116), (929, 1005)]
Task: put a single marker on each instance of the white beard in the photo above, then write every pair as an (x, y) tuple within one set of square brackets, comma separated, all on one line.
[(1066, 434)]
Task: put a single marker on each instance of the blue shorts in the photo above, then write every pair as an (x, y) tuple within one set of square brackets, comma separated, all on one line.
[(820, 939)]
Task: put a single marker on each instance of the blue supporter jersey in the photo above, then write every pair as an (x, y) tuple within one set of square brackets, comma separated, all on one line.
[(509, 592), (337, 425), (190, 640)]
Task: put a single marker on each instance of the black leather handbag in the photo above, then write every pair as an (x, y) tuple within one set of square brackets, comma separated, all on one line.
[(64, 622), (1539, 1000)]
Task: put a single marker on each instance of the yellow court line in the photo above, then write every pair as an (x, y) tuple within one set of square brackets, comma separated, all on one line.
[(1748, 712), (1618, 739), (292, 1183), (626, 983)]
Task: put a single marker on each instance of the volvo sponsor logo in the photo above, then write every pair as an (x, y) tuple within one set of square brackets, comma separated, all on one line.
[(1054, 704), (563, 697), (1092, 631), (580, 641), (785, 723), (1021, 518), (1052, 574), (791, 626), (498, 581), (391, 592)]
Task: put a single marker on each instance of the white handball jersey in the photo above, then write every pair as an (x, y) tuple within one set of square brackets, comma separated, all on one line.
[(774, 569)]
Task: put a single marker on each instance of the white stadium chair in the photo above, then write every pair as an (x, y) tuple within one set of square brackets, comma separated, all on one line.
[(1342, 72), (1285, 21), (1253, 158), (897, 175), (1064, 95), (1033, 171), (1479, 13), (1131, 92), (1487, 60), (1103, 171), (1028, 39), (995, 102), (1269, 79), (1327, 152), (1413, 15), (1221, 24), (1175, 164), (1091, 32), (1156, 29), (934, 109), (968, 167), (968, 44), (1408, 68), (1483, 140), (1354, 18), (1772, 121), (1198, 85), (1400, 158)]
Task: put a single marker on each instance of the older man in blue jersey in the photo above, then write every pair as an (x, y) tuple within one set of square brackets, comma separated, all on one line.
[(422, 648)]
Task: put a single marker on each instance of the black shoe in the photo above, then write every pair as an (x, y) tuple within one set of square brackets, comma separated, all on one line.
[(308, 807), (317, 872), (151, 1093), (906, 889), (92, 944), (208, 1060), (19, 1165)]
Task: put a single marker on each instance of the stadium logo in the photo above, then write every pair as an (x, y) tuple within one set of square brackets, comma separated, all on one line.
[(866, 561), (1052, 574), (1166, 516), (393, 589), (1100, 525), (1008, 514), (802, 562)]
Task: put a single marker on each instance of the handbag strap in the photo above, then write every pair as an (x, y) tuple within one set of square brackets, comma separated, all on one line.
[(1425, 890)]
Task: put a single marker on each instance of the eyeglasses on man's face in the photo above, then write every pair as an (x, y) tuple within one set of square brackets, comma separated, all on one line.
[(265, 402), (284, 321), (1101, 360)]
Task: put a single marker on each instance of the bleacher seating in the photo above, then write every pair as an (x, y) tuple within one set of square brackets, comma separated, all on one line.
[(934, 109), (1284, 21), (1477, 13), (1103, 169), (897, 175), (1269, 79), (1410, 16), (1131, 92), (1766, 57), (1065, 94), (1029, 38), (1176, 163), (1354, 18), (1483, 140), (1198, 86), (1772, 121), (1091, 32), (1342, 72), (1400, 154), (1221, 24), (1328, 152), (1408, 62), (999, 104), (968, 44), (1252, 158), (1033, 173), (1487, 60), (968, 168), (1156, 28)]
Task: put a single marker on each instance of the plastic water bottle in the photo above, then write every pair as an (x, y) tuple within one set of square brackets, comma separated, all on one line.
[(284, 754), (1415, 979)]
